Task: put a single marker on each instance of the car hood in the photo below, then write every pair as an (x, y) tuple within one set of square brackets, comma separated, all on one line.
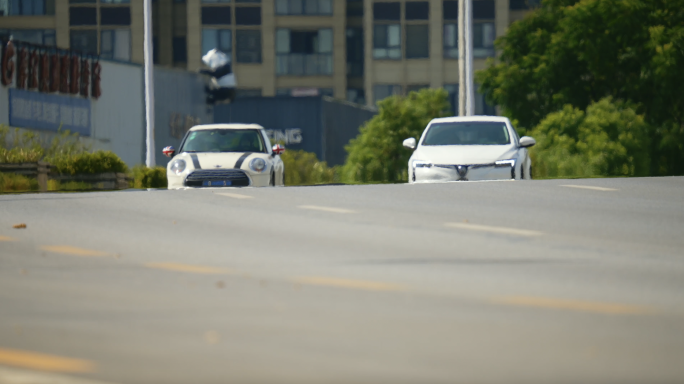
[(464, 154), (213, 160)]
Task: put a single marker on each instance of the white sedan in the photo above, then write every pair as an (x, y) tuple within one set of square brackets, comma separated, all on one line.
[(225, 155), (469, 148)]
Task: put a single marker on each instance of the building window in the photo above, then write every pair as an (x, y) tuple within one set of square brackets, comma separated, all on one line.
[(484, 9), (356, 95), (221, 39), (82, 1), (155, 50), (84, 41), (521, 5), (387, 11), (215, 1), (355, 52), (450, 9), (381, 91), (115, 16), (483, 31), (483, 39), (248, 16), (452, 90), (417, 10), (304, 92), (304, 53), (216, 15), (82, 16), (481, 105), (451, 41), (303, 7), (417, 41), (248, 46), (115, 44), (27, 7), (354, 8), (387, 41), (115, 1), (248, 1), (180, 50), (31, 36)]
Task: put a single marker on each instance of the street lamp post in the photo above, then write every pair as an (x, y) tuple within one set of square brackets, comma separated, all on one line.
[(149, 84), (466, 91)]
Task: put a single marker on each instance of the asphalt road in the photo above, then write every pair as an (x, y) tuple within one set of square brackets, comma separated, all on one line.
[(490, 282)]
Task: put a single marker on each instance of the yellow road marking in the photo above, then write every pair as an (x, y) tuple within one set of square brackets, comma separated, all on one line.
[(44, 362), (346, 283), (189, 268), (588, 187), (326, 209), (74, 251), (487, 228), (235, 195), (572, 305), (7, 238)]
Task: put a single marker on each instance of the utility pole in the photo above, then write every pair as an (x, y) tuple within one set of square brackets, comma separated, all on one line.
[(149, 83), (466, 91)]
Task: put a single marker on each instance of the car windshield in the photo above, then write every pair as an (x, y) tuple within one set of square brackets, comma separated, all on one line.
[(223, 140), (468, 133)]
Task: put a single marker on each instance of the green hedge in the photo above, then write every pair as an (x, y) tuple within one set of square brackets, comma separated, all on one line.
[(144, 177), (88, 163), (304, 168)]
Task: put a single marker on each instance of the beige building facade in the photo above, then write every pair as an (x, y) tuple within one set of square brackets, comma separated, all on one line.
[(358, 50)]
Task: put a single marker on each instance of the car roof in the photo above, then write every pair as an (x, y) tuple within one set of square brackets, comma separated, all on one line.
[(225, 126), (456, 119)]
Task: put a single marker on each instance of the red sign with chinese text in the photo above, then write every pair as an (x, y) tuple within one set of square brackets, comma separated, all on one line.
[(64, 72)]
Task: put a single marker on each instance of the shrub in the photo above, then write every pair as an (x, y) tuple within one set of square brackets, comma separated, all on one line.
[(10, 182), (609, 139), (304, 168), (87, 163), (377, 154), (144, 177)]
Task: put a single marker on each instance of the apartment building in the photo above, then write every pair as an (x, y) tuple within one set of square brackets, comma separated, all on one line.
[(358, 50)]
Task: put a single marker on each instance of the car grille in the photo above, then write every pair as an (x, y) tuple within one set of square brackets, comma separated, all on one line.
[(237, 177)]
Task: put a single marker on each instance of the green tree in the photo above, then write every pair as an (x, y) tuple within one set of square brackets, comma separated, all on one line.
[(578, 52), (304, 168), (377, 154), (607, 140)]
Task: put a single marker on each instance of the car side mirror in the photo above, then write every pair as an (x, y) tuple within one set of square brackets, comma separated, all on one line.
[(278, 149), (410, 143), (169, 151), (527, 141)]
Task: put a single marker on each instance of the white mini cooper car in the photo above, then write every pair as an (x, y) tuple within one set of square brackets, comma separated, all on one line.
[(225, 155), (469, 148)]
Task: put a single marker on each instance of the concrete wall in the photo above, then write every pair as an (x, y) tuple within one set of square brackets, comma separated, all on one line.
[(118, 116), (179, 104)]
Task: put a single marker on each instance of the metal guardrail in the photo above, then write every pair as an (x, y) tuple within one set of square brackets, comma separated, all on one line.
[(43, 172)]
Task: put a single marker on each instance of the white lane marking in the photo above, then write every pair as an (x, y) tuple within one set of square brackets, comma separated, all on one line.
[(487, 228), (235, 195), (588, 187), (22, 376), (326, 209)]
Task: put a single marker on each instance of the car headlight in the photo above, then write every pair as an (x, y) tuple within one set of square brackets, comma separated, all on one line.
[(505, 163), (421, 164), (257, 165), (177, 166)]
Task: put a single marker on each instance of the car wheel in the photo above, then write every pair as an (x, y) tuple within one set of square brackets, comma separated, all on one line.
[(271, 183)]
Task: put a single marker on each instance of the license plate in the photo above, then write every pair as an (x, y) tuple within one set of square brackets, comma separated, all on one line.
[(216, 183)]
